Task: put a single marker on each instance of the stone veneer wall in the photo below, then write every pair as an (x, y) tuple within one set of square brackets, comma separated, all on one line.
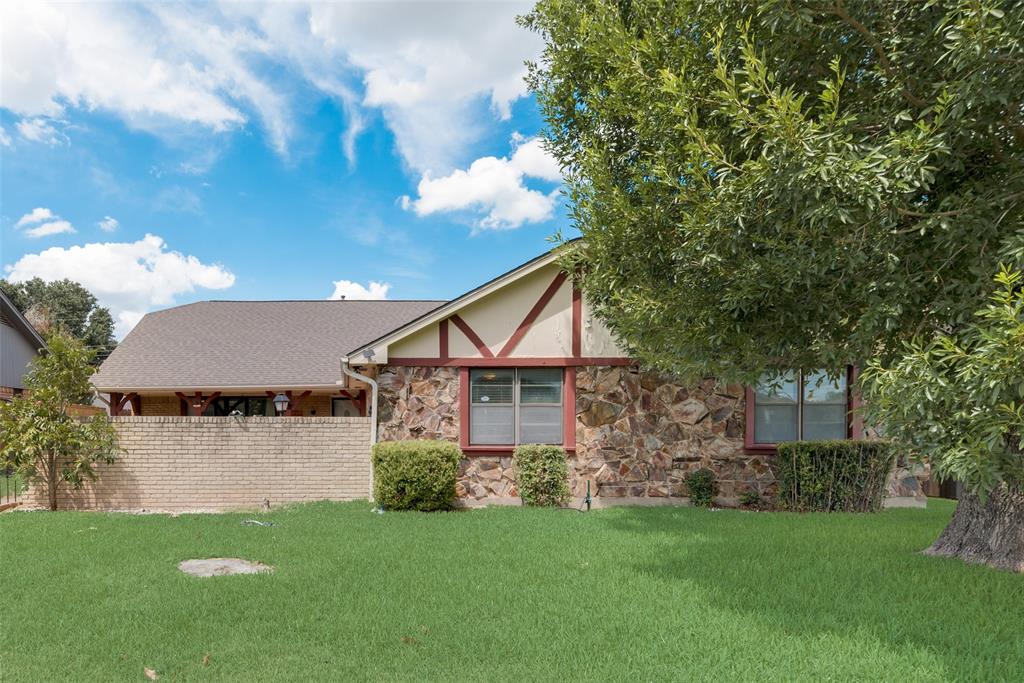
[(418, 403), (638, 434), (218, 463)]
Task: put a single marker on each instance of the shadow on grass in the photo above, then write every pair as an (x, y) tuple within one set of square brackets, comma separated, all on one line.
[(844, 574)]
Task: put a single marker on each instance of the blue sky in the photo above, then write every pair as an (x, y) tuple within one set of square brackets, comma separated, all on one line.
[(162, 154)]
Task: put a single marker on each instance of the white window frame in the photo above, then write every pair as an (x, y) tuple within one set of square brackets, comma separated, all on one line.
[(516, 403)]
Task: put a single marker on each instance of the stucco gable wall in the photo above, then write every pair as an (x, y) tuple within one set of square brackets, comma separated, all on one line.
[(496, 317)]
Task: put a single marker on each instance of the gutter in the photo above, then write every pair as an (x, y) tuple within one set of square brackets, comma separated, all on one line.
[(349, 372)]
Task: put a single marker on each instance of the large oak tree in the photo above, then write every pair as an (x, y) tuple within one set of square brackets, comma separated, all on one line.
[(789, 184)]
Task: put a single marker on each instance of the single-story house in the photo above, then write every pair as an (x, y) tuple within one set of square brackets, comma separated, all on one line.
[(19, 346), (520, 359)]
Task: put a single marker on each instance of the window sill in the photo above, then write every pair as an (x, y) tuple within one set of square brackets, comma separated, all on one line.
[(761, 449), (499, 450)]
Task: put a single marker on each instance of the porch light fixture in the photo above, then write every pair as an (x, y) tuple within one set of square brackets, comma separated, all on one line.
[(280, 403)]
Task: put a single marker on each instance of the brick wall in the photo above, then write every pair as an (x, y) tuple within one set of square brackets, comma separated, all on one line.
[(218, 463)]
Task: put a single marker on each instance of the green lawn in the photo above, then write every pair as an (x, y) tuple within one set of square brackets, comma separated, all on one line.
[(503, 594)]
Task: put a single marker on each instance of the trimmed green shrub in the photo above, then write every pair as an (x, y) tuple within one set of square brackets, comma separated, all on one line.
[(703, 487), (751, 499), (542, 475), (415, 475), (847, 476)]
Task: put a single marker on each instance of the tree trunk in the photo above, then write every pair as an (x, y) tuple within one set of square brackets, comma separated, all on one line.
[(51, 481), (989, 533)]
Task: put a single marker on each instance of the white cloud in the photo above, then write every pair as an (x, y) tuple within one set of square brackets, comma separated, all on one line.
[(50, 228), (39, 130), (494, 187), (346, 289), (5, 138), (130, 278), (37, 215), (428, 63), (108, 224), (429, 66), (46, 222)]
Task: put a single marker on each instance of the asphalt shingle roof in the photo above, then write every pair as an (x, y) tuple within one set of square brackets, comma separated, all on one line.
[(267, 344)]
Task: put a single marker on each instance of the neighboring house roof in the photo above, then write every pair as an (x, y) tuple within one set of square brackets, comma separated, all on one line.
[(249, 344), (356, 354), (10, 315)]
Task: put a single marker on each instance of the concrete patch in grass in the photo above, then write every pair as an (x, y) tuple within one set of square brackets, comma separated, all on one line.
[(223, 566)]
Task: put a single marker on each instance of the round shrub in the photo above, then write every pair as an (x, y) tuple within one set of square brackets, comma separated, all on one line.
[(415, 475), (703, 487), (542, 475)]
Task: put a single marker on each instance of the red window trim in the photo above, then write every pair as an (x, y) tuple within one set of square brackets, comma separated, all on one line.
[(854, 425), (568, 415)]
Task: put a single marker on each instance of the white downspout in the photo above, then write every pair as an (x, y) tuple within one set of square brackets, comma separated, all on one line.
[(346, 370)]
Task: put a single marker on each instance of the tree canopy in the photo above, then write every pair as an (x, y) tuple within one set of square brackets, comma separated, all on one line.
[(66, 306), (783, 184)]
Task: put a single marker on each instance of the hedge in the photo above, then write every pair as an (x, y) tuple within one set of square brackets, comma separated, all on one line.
[(415, 475), (542, 475), (847, 476)]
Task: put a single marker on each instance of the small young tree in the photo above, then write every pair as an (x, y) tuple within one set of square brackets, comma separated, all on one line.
[(37, 436)]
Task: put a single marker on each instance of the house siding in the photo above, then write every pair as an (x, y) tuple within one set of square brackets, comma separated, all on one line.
[(17, 353)]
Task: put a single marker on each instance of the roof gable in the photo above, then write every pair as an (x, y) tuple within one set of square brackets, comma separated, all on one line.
[(375, 350), (10, 314)]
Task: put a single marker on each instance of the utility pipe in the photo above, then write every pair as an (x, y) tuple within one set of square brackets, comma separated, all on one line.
[(349, 372)]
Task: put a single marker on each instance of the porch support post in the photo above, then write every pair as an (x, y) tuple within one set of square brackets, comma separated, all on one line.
[(115, 403)]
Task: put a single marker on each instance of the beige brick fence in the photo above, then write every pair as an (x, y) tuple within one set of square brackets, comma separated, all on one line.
[(218, 463)]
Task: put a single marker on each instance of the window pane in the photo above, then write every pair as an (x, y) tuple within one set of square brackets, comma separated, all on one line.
[(818, 388), (540, 385), (824, 421), (257, 407), (775, 423), (782, 389), (491, 424), (491, 386), (540, 424)]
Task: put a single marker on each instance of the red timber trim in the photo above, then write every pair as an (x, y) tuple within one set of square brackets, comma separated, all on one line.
[(569, 410), (856, 405), (442, 339), (577, 322), (472, 336), (464, 408), (118, 401), (358, 399), (552, 362), (532, 316), (854, 425), (748, 427), (198, 403)]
